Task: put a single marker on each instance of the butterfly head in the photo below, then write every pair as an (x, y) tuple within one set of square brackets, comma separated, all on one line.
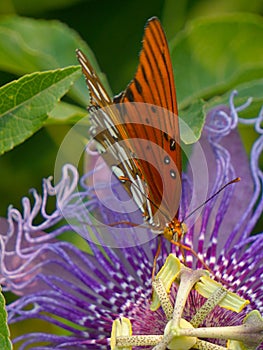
[(175, 230)]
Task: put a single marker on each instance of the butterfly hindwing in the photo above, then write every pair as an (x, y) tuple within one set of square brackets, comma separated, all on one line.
[(108, 131)]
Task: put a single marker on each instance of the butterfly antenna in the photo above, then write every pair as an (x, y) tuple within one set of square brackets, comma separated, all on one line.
[(214, 195)]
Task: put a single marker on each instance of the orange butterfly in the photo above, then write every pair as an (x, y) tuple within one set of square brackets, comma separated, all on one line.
[(150, 170)]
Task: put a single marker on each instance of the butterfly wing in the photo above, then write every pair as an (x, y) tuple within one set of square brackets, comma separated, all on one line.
[(108, 131), (154, 84), (151, 172)]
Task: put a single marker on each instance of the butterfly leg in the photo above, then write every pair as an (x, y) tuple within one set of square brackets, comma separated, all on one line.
[(128, 223), (183, 247)]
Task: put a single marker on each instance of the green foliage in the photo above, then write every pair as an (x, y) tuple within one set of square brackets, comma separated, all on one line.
[(213, 56), (5, 343), (194, 117), (25, 103), (210, 56), (28, 45)]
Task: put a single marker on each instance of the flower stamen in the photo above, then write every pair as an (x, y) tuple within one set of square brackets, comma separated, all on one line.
[(208, 306), (159, 289), (181, 334)]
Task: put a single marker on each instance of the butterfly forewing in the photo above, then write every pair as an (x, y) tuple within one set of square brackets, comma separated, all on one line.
[(150, 156), (154, 84)]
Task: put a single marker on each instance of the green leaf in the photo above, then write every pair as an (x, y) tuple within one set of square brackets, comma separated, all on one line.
[(5, 343), (66, 113), (214, 55), (26, 102), (28, 45), (194, 118)]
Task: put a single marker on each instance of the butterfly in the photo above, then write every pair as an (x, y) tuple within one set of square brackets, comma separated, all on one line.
[(138, 134)]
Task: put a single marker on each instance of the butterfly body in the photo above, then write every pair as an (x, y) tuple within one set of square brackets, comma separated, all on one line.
[(137, 133)]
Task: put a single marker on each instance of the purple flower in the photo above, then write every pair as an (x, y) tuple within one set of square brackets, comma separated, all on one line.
[(77, 291)]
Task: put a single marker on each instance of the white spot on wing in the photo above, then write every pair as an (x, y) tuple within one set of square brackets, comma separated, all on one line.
[(117, 172), (103, 93)]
